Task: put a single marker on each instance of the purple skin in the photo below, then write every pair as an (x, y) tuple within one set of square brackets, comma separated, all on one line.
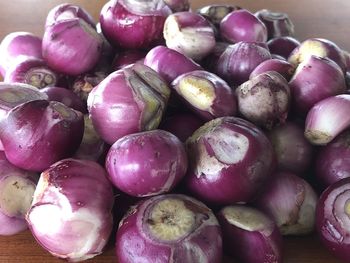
[(332, 219), (275, 56), (32, 71), (127, 57), (242, 25), (169, 228), (183, 125), (65, 12), (333, 161), (16, 190), (277, 24), (216, 12), (282, 46), (71, 214), (246, 229), (239, 60), (327, 119), (264, 100), (81, 50), (134, 25), (190, 34), (346, 55), (318, 47), (128, 101), (315, 79), (159, 162), (158, 59), (230, 160), (16, 45), (210, 61), (293, 152), (206, 94), (178, 5), (65, 96), (281, 66), (38, 133), (92, 147), (291, 202)]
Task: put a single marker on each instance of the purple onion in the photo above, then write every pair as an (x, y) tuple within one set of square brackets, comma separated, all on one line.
[(65, 12), (239, 60), (134, 24), (242, 25), (264, 100), (178, 5), (327, 119), (65, 96), (282, 46), (127, 101), (38, 133), (293, 152), (158, 159), (216, 12), (71, 46), (210, 61), (333, 161), (346, 56), (71, 214), (315, 79), (127, 57), (206, 94), (169, 228), (246, 229), (84, 84), (318, 47), (281, 66), (230, 160), (291, 203), (32, 71), (278, 24), (16, 192), (275, 56), (158, 59), (16, 45), (182, 125), (190, 34)]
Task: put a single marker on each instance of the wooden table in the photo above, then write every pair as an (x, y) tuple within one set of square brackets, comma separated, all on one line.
[(312, 18)]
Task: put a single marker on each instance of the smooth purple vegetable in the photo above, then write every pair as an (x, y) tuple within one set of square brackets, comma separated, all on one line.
[(230, 160), (32, 71), (127, 57), (333, 161), (38, 133), (71, 46), (210, 61), (291, 202), (206, 94), (158, 159), (190, 34), (84, 84), (278, 24), (293, 151), (127, 101), (17, 45), (282, 46), (281, 66), (327, 119), (318, 47), (134, 24), (71, 214), (158, 59), (242, 25), (169, 228), (216, 12), (65, 96), (315, 79), (264, 100), (16, 192), (246, 229), (239, 60), (182, 125), (67, 11)]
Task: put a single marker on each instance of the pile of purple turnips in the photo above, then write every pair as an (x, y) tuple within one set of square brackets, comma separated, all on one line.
[(183, 135)]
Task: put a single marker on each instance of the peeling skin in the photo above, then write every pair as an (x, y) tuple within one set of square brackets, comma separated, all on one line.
[(318, 137), (307, 49)]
